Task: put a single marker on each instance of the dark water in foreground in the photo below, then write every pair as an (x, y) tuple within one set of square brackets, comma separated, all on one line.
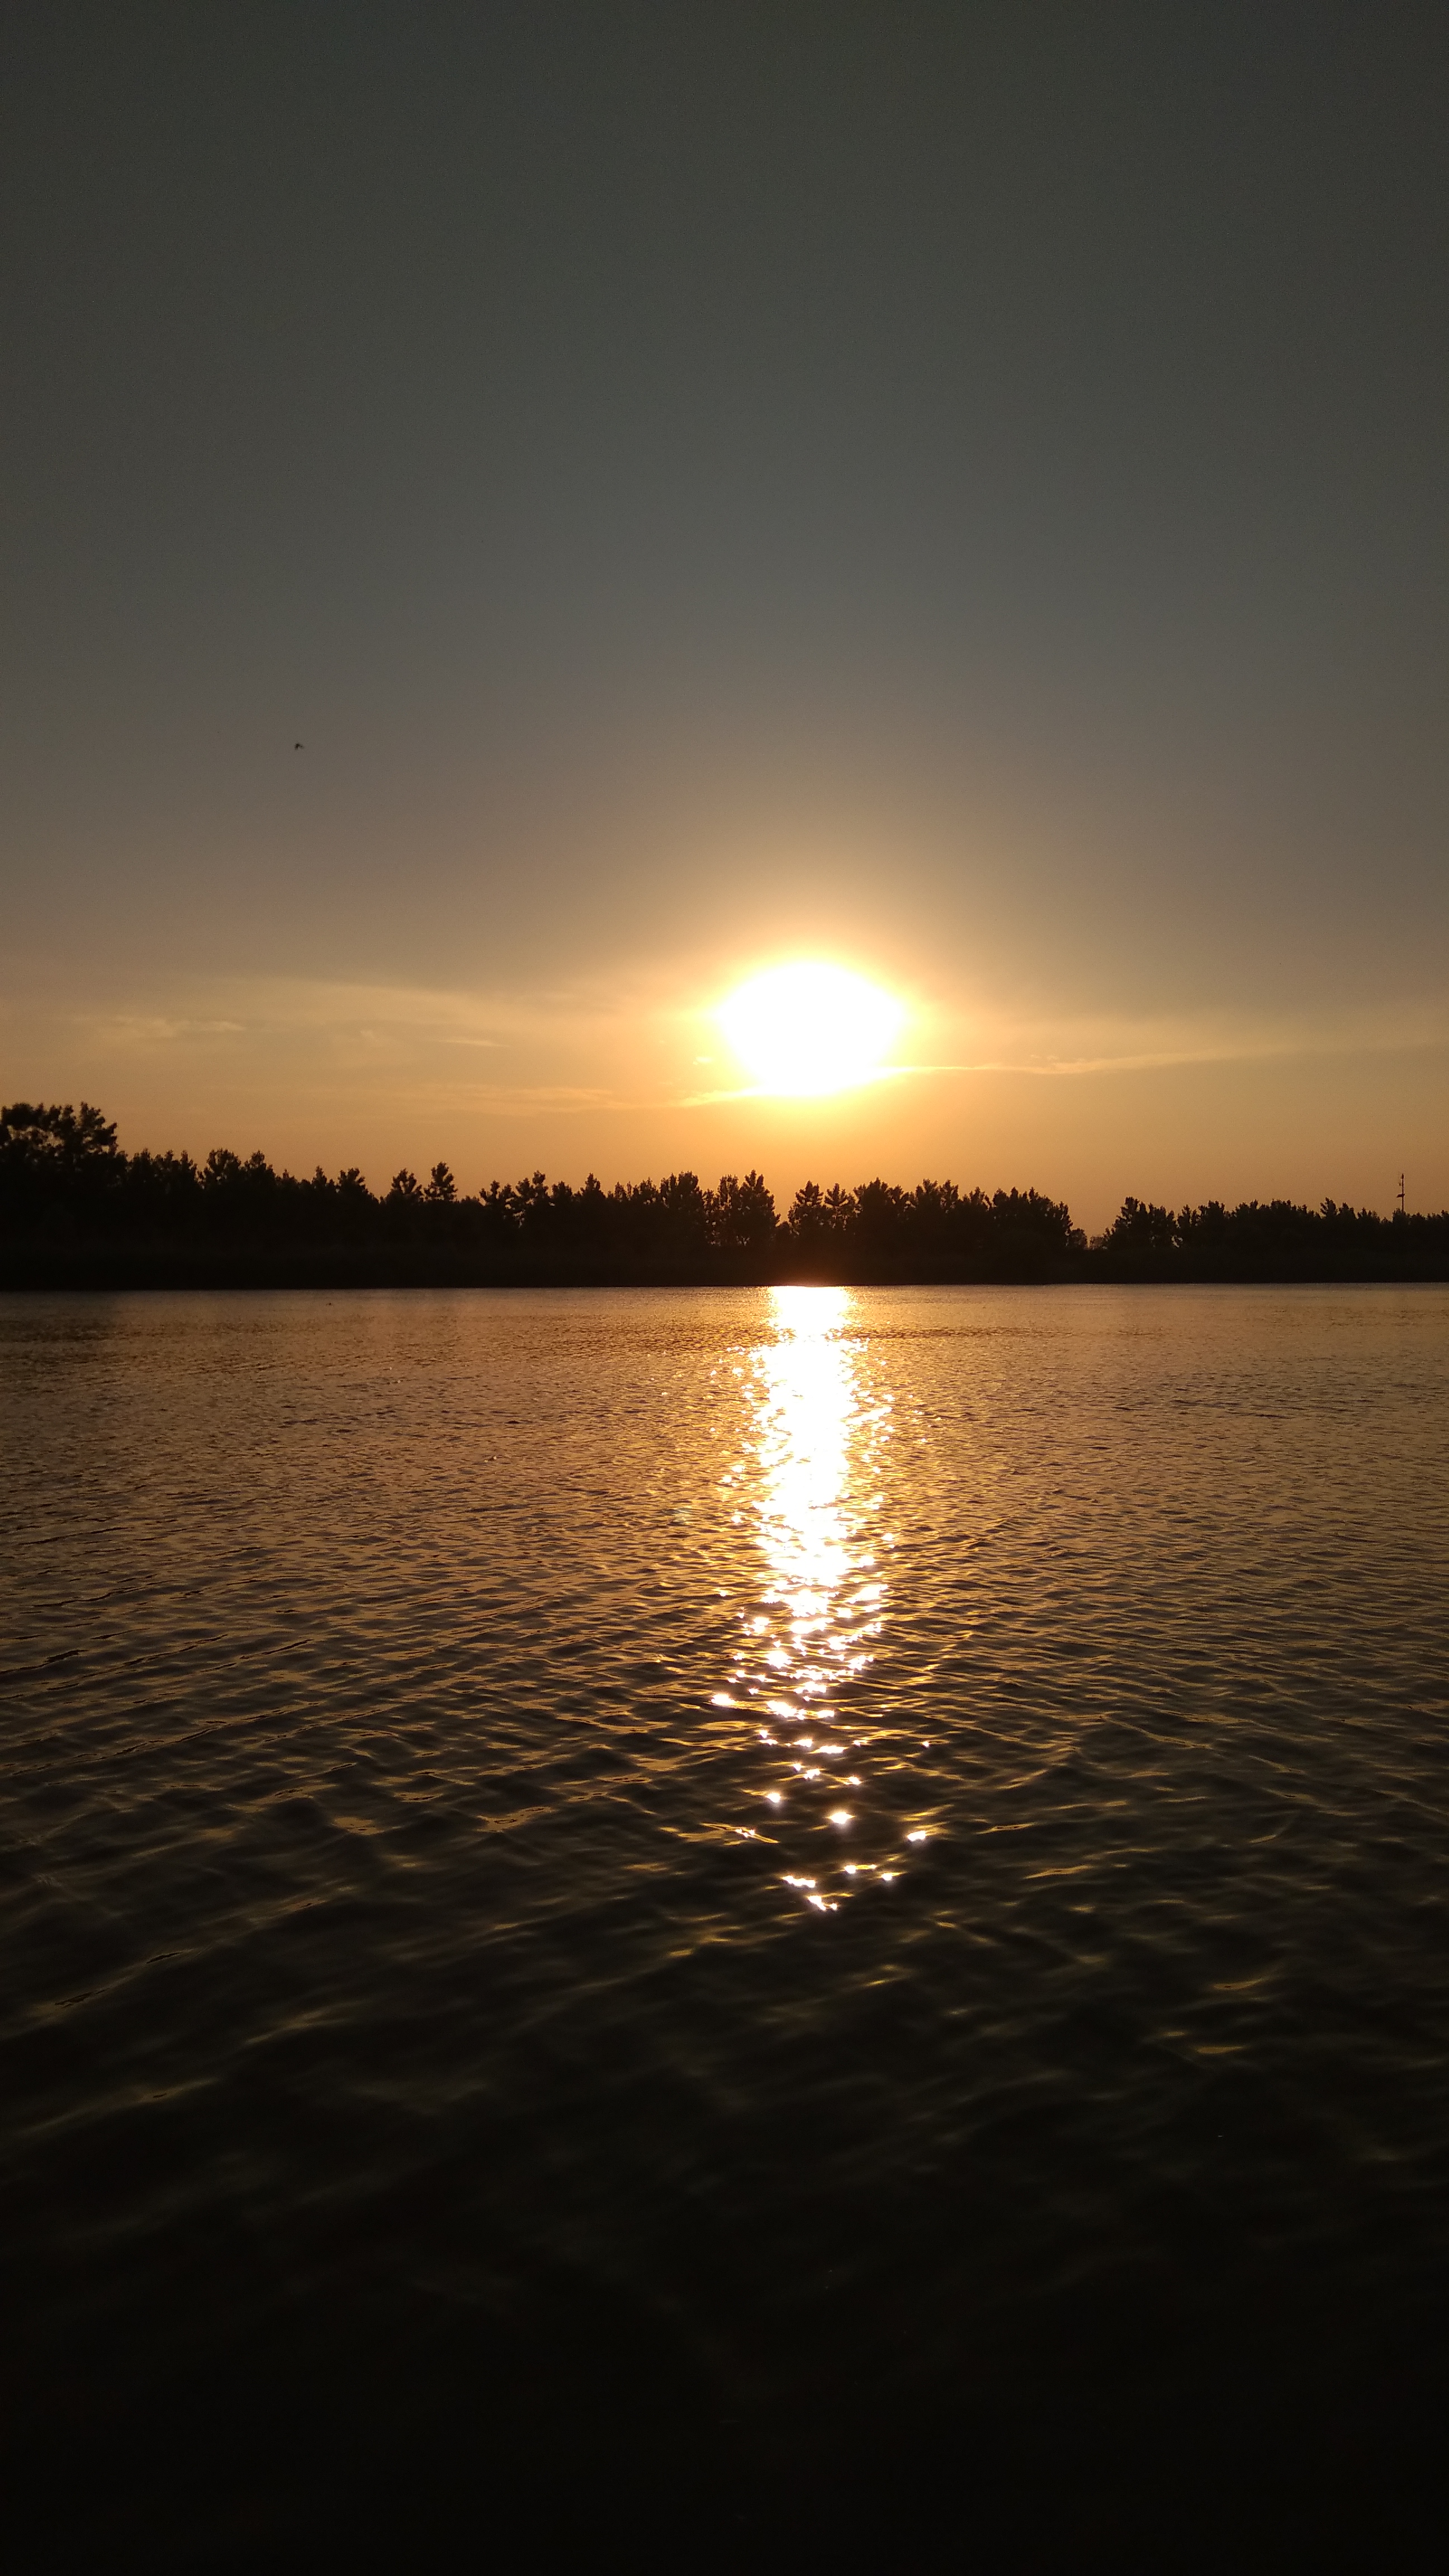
[(700, 1908)]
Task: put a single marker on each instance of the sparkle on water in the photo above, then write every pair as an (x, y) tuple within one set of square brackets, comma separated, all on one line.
[(819, 1425), (480, 1879)]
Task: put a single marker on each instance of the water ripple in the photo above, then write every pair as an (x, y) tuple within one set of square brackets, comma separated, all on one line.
[(780, 1810)]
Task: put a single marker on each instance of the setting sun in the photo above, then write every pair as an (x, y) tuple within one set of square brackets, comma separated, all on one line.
[(809, 1028)]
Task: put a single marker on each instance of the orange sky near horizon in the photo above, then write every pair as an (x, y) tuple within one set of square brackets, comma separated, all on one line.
[(1084, 1111)]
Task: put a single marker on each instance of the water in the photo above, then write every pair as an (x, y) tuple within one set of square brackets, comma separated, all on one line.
[(753, 1896)]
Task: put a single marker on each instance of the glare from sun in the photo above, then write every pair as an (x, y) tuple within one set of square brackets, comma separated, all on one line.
[(809, 1028)]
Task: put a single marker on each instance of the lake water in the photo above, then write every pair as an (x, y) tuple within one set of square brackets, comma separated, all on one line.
[(713, 1902)]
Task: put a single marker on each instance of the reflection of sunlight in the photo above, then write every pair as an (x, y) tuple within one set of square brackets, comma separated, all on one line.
[(807, 1417), (812, 1475)]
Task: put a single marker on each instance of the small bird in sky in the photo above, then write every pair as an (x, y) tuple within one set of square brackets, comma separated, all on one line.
[(299, 746)]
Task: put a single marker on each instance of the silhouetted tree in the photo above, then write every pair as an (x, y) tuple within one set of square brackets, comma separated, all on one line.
[(56, 1162), (54, 1139), (74, 1206), (741, 1214), (1032, 1232), (1140, 1232)]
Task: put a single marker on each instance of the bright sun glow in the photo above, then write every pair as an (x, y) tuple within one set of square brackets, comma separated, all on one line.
[(809, 1028)]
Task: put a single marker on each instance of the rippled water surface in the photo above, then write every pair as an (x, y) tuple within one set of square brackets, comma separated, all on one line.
[(739, 1864)]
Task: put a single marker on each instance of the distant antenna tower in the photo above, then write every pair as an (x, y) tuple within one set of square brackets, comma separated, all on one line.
[(1401, 1193)]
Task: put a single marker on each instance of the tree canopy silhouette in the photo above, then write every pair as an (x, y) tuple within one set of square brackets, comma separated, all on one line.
[(77, 1210)]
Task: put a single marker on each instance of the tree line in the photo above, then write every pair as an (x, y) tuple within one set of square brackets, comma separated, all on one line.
[(76, 1210)]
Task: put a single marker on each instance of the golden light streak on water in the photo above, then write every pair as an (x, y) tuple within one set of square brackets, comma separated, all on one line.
[(809, 1485)]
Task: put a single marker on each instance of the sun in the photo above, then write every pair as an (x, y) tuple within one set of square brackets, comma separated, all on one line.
[(809, 1028)]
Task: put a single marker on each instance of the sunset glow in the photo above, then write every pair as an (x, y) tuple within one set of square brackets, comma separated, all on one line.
[(809, 1028)]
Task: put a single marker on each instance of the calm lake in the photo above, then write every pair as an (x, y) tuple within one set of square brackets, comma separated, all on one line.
[(727, 1892)]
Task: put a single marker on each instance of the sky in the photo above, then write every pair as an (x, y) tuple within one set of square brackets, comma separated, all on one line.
[(953, 492)]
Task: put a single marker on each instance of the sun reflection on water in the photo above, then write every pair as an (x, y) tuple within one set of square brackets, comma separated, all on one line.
[(808, 1419), (818, 1423)]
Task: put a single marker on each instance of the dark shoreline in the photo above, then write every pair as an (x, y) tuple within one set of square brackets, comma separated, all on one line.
[(108, 1272)]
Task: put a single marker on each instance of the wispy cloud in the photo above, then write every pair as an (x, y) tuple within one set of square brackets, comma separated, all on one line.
[(617, 1049), (759, 1091), (1071, 1048)]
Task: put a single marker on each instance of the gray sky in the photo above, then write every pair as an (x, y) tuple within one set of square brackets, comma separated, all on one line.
[(959, 491)]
